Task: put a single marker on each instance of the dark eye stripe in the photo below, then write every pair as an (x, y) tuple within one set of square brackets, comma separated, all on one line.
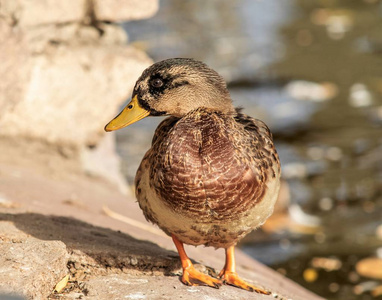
[(159, 83), (180, 83)]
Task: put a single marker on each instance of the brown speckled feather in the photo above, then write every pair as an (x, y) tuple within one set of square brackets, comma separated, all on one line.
[(212, 168)]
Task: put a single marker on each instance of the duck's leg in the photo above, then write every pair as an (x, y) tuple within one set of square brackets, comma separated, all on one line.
[(190, 275), (229, 275)]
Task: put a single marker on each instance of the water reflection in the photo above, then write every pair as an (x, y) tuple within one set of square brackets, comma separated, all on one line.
[(313, 71)]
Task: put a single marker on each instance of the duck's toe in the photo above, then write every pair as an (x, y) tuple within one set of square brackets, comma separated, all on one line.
[(233, 279), (193, 277)]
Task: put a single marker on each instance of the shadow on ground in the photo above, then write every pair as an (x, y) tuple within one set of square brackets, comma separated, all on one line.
[(92, 247)]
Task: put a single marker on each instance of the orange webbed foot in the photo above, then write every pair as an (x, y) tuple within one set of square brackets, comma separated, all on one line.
[(233, 279), (193, 277), (190, 275), (229, 275)]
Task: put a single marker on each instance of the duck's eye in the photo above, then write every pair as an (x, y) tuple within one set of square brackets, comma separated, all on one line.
[(156, 82)]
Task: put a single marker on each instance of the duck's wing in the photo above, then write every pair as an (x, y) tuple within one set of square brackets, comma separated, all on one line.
[(261, 149)]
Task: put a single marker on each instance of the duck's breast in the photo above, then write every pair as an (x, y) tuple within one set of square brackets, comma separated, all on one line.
[(205, 168), (209, 178)]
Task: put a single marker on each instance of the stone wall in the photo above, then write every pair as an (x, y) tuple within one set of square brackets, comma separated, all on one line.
[(65, 68)]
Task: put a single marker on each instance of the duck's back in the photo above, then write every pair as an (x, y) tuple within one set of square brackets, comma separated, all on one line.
[(208, 166)]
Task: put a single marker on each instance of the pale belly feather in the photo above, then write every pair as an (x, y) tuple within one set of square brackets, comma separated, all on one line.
[(217, 233)]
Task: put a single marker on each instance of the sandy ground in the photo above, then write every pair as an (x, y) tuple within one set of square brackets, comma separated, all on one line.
[(58, 224)]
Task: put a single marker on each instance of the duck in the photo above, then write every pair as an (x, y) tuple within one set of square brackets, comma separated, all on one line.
[(212, 174)]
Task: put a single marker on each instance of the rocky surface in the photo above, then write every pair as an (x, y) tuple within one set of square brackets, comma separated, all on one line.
[(122, 10), (28, 265), (68, 92), (66, 68), (28, 14), (57, 221)]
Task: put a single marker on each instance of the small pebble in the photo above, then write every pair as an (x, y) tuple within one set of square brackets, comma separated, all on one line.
[(133, 261)]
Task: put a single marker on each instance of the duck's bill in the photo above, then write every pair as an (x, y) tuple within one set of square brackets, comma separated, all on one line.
[(132, 113)]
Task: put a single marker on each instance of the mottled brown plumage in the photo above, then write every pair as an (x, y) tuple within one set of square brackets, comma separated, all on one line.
[(212, 173)]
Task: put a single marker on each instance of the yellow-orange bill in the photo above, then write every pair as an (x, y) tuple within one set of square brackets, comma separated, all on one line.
[(132, 113)]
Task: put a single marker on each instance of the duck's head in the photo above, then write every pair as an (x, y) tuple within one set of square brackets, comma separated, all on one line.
[(174, 87)]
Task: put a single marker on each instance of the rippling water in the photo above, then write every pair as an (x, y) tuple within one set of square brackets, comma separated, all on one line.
[(312, 70)]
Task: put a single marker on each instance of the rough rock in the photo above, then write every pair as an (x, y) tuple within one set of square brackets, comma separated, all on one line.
[(122, 10), (122, 286), (62, 84), (68, 95), (43, 12), (104, 263), (35, 13), (65, 71), (40, 39), (30, 266)]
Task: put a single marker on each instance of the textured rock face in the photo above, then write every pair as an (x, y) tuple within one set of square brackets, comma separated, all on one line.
[(31, 13), (64, 71), (69, 93), (119, 10), (41, 12), (30, 266)]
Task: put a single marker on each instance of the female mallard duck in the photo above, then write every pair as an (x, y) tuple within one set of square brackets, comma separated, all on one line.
[(212, 174)]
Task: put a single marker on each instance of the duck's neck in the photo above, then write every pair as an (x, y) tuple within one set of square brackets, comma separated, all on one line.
[(224, 107)]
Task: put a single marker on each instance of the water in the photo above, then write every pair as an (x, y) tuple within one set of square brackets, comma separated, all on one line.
[(312, 70)]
